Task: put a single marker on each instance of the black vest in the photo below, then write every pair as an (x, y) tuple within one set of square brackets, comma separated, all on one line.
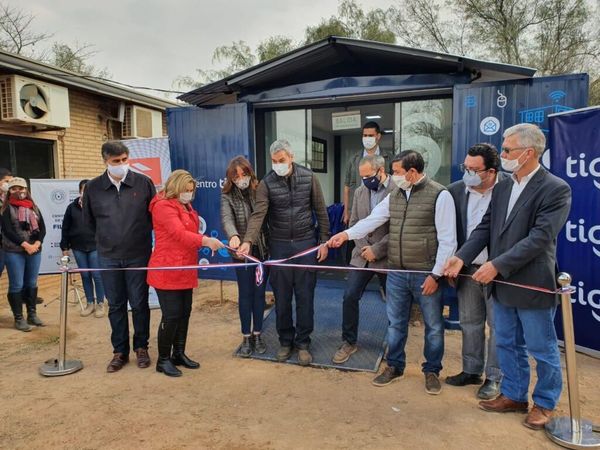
[(290, 208)]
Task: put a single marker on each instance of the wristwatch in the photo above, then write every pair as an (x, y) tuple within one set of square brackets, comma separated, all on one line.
[(435, 277)]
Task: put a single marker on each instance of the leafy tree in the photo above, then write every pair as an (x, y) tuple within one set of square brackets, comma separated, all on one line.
[(74, 58), (354, 22)]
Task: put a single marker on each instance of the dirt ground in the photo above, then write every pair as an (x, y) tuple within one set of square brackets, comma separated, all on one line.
[(231, 403)]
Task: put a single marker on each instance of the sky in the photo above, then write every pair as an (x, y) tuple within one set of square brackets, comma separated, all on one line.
[(151, 43)]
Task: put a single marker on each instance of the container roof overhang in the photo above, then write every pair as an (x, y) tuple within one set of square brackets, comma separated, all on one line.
[(344, 57), (16, 64)]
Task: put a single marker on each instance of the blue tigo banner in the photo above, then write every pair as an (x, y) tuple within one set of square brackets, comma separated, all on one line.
[(575, 157)]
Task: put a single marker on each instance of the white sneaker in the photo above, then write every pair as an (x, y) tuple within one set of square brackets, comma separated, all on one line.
[(99, 310), (89, 309)]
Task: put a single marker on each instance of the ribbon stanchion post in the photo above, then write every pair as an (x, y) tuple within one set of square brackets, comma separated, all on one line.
[(62, 366), (573, 431)]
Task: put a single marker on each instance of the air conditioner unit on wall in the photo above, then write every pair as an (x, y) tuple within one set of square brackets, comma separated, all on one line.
[(141, 122), (33, 102)]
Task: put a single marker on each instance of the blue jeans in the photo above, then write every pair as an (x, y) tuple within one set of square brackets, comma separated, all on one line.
[(2, 264), (23, 270), (522, 331), (293, 284), (402, 290), (89, 260), (120, 287), (251, 299)]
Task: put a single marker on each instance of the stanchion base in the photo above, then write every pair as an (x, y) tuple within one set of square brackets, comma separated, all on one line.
[(52, 368), (559, 431)]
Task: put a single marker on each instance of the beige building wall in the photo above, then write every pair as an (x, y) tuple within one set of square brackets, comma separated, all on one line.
[(76, 149)]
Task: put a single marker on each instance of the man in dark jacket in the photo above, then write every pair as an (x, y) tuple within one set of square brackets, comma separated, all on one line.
[(287, 198), (472, 197), (78, 237), (115, 205), (520, 227)]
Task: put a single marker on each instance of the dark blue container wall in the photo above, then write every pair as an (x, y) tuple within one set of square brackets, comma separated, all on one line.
[(481, 112), (203, 141)]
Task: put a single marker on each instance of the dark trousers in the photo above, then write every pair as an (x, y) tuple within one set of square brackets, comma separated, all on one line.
[(175, 305), (355, 287), (289, 283), (121, 287), (251, 299)]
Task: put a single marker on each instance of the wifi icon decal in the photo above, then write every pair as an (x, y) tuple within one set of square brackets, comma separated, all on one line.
[(557, 95)]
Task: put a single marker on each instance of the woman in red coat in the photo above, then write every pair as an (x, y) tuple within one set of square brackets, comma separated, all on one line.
[(177, 241)]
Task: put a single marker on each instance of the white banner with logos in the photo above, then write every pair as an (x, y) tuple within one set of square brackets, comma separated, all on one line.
[(52, 198)]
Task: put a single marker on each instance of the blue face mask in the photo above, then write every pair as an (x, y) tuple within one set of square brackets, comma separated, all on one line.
[(372, 182)]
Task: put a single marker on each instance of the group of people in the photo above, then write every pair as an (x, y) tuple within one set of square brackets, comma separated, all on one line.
[(488, 226)]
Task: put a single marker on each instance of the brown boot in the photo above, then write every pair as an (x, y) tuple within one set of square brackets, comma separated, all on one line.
[(537, 418), (503, 404)]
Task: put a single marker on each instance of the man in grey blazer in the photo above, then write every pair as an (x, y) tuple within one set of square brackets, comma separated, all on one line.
[(520, 228), (472, 196), (370, 251)]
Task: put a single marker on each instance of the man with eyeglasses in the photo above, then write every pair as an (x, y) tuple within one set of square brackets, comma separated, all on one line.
[(472, 197), (369, 251), (519, 229)]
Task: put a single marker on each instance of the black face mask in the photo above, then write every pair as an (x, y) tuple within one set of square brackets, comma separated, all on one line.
[(372, 183)]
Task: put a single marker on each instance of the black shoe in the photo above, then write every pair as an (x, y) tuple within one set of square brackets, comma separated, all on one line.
[(284, 353), (387, 376), (29, 296), (164, 365), (179, 357), (246, 348), (15, 301), (258, 343), (463, 379), (488, 390)]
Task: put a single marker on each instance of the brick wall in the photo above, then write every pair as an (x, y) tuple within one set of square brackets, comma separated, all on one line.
[(76, 149)]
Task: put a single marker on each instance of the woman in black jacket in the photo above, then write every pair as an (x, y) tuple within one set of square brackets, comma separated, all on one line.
[(23, 231), (80, 238), (237, 204)]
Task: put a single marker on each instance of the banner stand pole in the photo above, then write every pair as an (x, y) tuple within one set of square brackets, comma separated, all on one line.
[(573, 431), (60, 366)]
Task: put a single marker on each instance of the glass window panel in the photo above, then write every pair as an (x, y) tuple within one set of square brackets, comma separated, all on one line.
[(426, 126)]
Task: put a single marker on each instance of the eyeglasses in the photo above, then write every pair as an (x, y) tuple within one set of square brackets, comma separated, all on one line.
[(470, 171), (507, 150)]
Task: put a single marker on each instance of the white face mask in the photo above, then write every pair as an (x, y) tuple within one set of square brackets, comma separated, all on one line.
[(243, 182), (281, 169), (4, 187), (186, 197), (369, 142), (401, 181), (472, 180), (118, 171), (512, 165)]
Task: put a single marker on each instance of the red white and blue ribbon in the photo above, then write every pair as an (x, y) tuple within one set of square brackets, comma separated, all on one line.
[(284, 262)]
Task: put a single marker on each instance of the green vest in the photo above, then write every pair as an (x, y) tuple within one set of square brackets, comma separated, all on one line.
[(413, 237)]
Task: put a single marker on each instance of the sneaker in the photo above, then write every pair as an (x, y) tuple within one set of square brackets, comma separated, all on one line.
[(246, 347), (432, 384), (99, 310), (89, 309), (259, 345), (284, 353), (304, 357), (387, 376), (344, 353)]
